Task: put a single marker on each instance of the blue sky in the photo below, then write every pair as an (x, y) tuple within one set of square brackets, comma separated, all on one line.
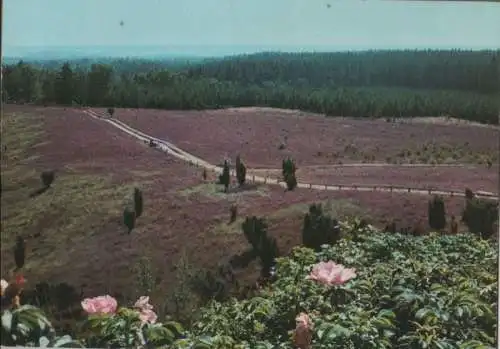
[(258, 23)]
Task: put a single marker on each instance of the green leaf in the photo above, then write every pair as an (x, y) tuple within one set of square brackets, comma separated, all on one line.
[(329, 332)]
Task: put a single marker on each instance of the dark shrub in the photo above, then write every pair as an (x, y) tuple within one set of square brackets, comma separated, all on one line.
[(47, 178), (437, 213), (138, 202), (20, 252), (129, 218), (233, 213)]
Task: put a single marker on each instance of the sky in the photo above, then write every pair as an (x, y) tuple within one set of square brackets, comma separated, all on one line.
[(300, 24)]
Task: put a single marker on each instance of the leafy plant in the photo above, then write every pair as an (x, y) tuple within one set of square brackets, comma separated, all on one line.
[(26, 326), (124, 329)]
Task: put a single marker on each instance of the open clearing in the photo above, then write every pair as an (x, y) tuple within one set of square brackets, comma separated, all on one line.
[(74, 231), (257, 133)]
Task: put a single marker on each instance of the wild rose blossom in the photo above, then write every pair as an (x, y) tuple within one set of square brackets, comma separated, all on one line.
[(302, 335), (100, 305), (146, 313), (330, 273), (148, 316)]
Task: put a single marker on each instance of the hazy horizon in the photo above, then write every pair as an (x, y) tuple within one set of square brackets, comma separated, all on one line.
[(207, 28)]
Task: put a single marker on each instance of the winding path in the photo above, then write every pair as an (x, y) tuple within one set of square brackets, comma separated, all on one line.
[(175, 151)]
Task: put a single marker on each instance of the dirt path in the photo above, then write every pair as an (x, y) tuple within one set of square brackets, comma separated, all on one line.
[(173, 150)]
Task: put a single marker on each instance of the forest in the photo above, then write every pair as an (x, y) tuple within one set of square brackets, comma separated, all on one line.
[(455, 83)]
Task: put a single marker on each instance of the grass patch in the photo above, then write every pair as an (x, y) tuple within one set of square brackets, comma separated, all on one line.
[(336, 208), (234, 193), (60, 220)]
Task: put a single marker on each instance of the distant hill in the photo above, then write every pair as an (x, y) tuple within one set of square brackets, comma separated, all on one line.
[(136, 65)]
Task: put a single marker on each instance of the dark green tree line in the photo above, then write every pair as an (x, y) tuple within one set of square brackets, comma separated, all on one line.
[(370, 84)]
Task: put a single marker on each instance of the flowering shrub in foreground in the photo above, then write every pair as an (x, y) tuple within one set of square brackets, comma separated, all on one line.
[(330, 273), (370, 290), (100, 305)]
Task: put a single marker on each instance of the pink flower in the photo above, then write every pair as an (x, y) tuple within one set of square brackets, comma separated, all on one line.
[(302, 335), (146, 313), (329, 273), (143, 303), (148, 316), (100, 305)]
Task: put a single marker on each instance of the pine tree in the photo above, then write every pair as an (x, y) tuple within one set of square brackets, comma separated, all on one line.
[(480, 216), (129, 218), (138, 202), (241, 171), (225, 177), (254, 230), (319, 229), (288, 171), (20, 252), (437, 213)]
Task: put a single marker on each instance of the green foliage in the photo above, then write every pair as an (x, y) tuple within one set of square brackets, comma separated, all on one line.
[(264, 246), (437, 213), (288, 172), (144, 276), (212, 285), (47, 178), (64, 85), (124, 329), (28, 326), (430, 69), (241, 171), (268, 252), (98, 85), (129, 218), (319, 229), (20, 252), (225, 177), (138, 202), (384, 84), (410, 292), (480, 216), (254, 230)]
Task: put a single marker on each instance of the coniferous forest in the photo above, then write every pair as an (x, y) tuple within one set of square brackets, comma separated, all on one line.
[(456, 83)]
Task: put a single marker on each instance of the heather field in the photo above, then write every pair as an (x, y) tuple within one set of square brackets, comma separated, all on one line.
[(259, 133), (74, 230), (454, 177)]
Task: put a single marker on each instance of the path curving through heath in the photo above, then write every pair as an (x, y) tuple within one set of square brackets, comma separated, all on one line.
[(177, 152)]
